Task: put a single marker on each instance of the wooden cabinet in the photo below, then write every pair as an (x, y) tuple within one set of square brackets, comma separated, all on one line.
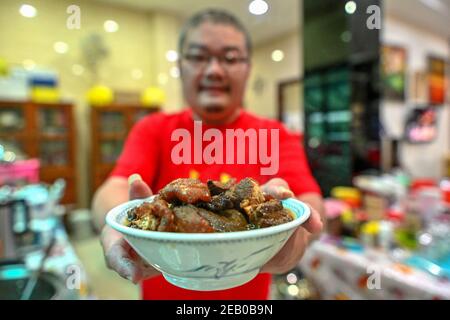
[(45, 132), (110, 126)]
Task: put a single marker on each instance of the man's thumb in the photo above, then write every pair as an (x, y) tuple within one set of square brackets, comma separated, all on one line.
[(138, 189)]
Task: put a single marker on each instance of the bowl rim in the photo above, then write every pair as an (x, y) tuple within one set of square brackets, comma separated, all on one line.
[(111, 220)]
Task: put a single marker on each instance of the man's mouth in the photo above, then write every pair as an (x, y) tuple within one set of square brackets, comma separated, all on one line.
[(214, 89)]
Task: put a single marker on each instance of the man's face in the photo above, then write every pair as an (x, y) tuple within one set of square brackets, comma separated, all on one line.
[(215, 87)]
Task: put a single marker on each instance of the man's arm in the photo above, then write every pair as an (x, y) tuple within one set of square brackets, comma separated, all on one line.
[(119, 255)]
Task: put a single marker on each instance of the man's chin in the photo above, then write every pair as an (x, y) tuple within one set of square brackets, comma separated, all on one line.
[(214, 109), (214, 113)]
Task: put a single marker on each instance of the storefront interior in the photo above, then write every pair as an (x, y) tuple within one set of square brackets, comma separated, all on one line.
[(364, 84)]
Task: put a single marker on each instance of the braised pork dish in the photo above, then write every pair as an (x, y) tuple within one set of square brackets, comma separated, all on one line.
[(190, 206)]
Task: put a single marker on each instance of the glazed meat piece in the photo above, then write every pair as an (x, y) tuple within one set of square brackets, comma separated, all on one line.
[(154, 216), (221, 202), (248, 193), (189, 191), (240, 196), (216, 187), (270, 213), (188, 220), (226, 221)]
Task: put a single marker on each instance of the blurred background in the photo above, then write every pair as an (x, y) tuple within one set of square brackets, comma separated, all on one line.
[(364, 84)]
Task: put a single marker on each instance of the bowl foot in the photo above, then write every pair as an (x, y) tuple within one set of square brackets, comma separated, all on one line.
[(211, 284)]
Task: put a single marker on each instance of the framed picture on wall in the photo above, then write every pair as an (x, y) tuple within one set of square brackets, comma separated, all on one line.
[(393, 72), (421, 125), (436, 80)]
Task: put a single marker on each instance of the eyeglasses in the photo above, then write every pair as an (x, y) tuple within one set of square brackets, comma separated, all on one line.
[(228, 61)]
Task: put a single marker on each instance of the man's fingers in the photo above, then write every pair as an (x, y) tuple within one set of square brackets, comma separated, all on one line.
[(314, 224), (118, 259), (138, 188), (277, 188), (278, 182), (119, 255)]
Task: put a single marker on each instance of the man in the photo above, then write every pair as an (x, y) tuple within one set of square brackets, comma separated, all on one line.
[(215, 64)]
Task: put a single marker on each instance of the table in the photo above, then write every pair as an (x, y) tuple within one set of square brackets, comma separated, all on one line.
[(361, 274)]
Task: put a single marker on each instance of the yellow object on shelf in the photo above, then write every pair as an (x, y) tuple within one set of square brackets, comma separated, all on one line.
[(3, 67), (371, 228), (45, 95), (153, 97), (100, 95), (347, 217), (346, 193)]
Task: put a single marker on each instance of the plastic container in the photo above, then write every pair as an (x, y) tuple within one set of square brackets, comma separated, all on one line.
[(19, 173)]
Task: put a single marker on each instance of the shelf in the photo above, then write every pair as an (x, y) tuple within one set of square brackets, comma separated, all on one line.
[(53, 136), (112, 136), (46, 132), (110, 126), (12, 135)]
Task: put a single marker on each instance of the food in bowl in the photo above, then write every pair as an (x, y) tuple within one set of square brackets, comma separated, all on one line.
[(207, 261), (190, 206)]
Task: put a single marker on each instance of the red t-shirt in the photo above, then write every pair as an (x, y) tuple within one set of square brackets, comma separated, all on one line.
[(148, 152)]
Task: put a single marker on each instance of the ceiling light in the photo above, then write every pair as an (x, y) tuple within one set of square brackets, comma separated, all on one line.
[(77, 69), (137, 74), (258, 7), (28, 11), (277, 55), (61, 47), (174, 72), (172, 56), (29, 64), (350, 7), (111, 26)]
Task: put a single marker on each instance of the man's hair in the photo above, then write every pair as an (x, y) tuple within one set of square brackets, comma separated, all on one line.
[(215, 16)]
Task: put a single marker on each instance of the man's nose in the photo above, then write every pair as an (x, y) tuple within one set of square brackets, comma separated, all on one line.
[(214, 68)]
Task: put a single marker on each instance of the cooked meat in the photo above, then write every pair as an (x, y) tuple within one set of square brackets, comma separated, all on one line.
[(188, 191), (240, 196), (226, 221), (216, 187), (154, 216), (189, 220), (268, 197), (224, 201), (167, 218), (187, 205), (269, 214), (248, 194)]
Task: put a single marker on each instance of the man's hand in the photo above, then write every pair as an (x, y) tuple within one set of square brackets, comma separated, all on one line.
[(287, 258), (119, 255)]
